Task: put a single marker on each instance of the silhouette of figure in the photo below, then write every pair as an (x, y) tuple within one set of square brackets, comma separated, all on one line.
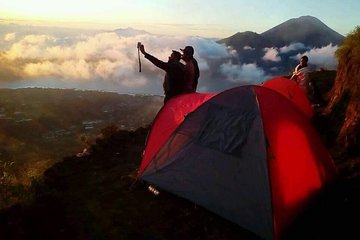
[(175, 72), (192, 72)]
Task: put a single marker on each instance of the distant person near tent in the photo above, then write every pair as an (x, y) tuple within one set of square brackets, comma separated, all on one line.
[(301, 76), (173, 84), (192, 72)]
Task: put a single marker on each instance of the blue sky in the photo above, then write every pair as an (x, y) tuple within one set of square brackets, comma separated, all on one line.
[(207, 18)]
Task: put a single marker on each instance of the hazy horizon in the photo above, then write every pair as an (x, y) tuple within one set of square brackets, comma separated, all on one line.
[(92, 44), (208, 18), (33, 56)]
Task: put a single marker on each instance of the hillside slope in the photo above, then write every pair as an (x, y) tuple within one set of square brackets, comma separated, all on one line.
[(39, 126), (97, 197)]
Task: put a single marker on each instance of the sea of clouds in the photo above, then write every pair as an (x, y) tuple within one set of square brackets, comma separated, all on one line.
[(108, 60)]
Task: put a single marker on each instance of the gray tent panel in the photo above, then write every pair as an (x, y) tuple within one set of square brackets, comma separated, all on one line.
[(217, 159)]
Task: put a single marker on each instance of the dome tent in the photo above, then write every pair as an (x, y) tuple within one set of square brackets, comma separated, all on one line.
[(248, 154), (292, 91)]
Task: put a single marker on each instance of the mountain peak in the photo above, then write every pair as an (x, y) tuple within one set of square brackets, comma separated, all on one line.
[(308, 30), (242, 39), (307, 18), (128, 32)]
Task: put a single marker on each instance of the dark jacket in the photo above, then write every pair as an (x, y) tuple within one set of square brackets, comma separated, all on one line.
[(197, 73), (174, 78)]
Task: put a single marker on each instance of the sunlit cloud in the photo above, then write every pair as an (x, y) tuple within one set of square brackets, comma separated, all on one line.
[(9, 37), (271, 54), (207, 48), (323, 57), (243, 74), (108, 56), (108, 60), (71, 69), (248, 48), (292, 47), (31, 46)]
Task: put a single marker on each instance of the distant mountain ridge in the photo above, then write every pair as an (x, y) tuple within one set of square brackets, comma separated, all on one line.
[(306, 29), (128, 32), (302, 34), (43, 125)]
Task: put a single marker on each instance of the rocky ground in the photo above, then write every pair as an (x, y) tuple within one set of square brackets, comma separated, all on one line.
[(97, 197)]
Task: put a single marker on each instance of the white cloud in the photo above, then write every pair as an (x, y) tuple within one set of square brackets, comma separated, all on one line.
[(9, 37), (207, 48), (321, 57), (106, 57), (71, 69), (248, 48), (271, 54), (109, 60), (30, 47), (243, 74), (292, 47)]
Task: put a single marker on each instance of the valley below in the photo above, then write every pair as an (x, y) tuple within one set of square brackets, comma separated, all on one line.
[(39, 127)]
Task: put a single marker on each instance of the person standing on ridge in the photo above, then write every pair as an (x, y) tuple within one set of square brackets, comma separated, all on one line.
[(301, 76), (175, 72), (192, 72)]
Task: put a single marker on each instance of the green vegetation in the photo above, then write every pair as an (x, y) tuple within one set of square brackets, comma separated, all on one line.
[(39, 127), (98, 196), (344, 102)]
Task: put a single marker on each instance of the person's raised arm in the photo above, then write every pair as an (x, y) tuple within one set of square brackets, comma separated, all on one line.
[(160, 64), (142, 49)]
